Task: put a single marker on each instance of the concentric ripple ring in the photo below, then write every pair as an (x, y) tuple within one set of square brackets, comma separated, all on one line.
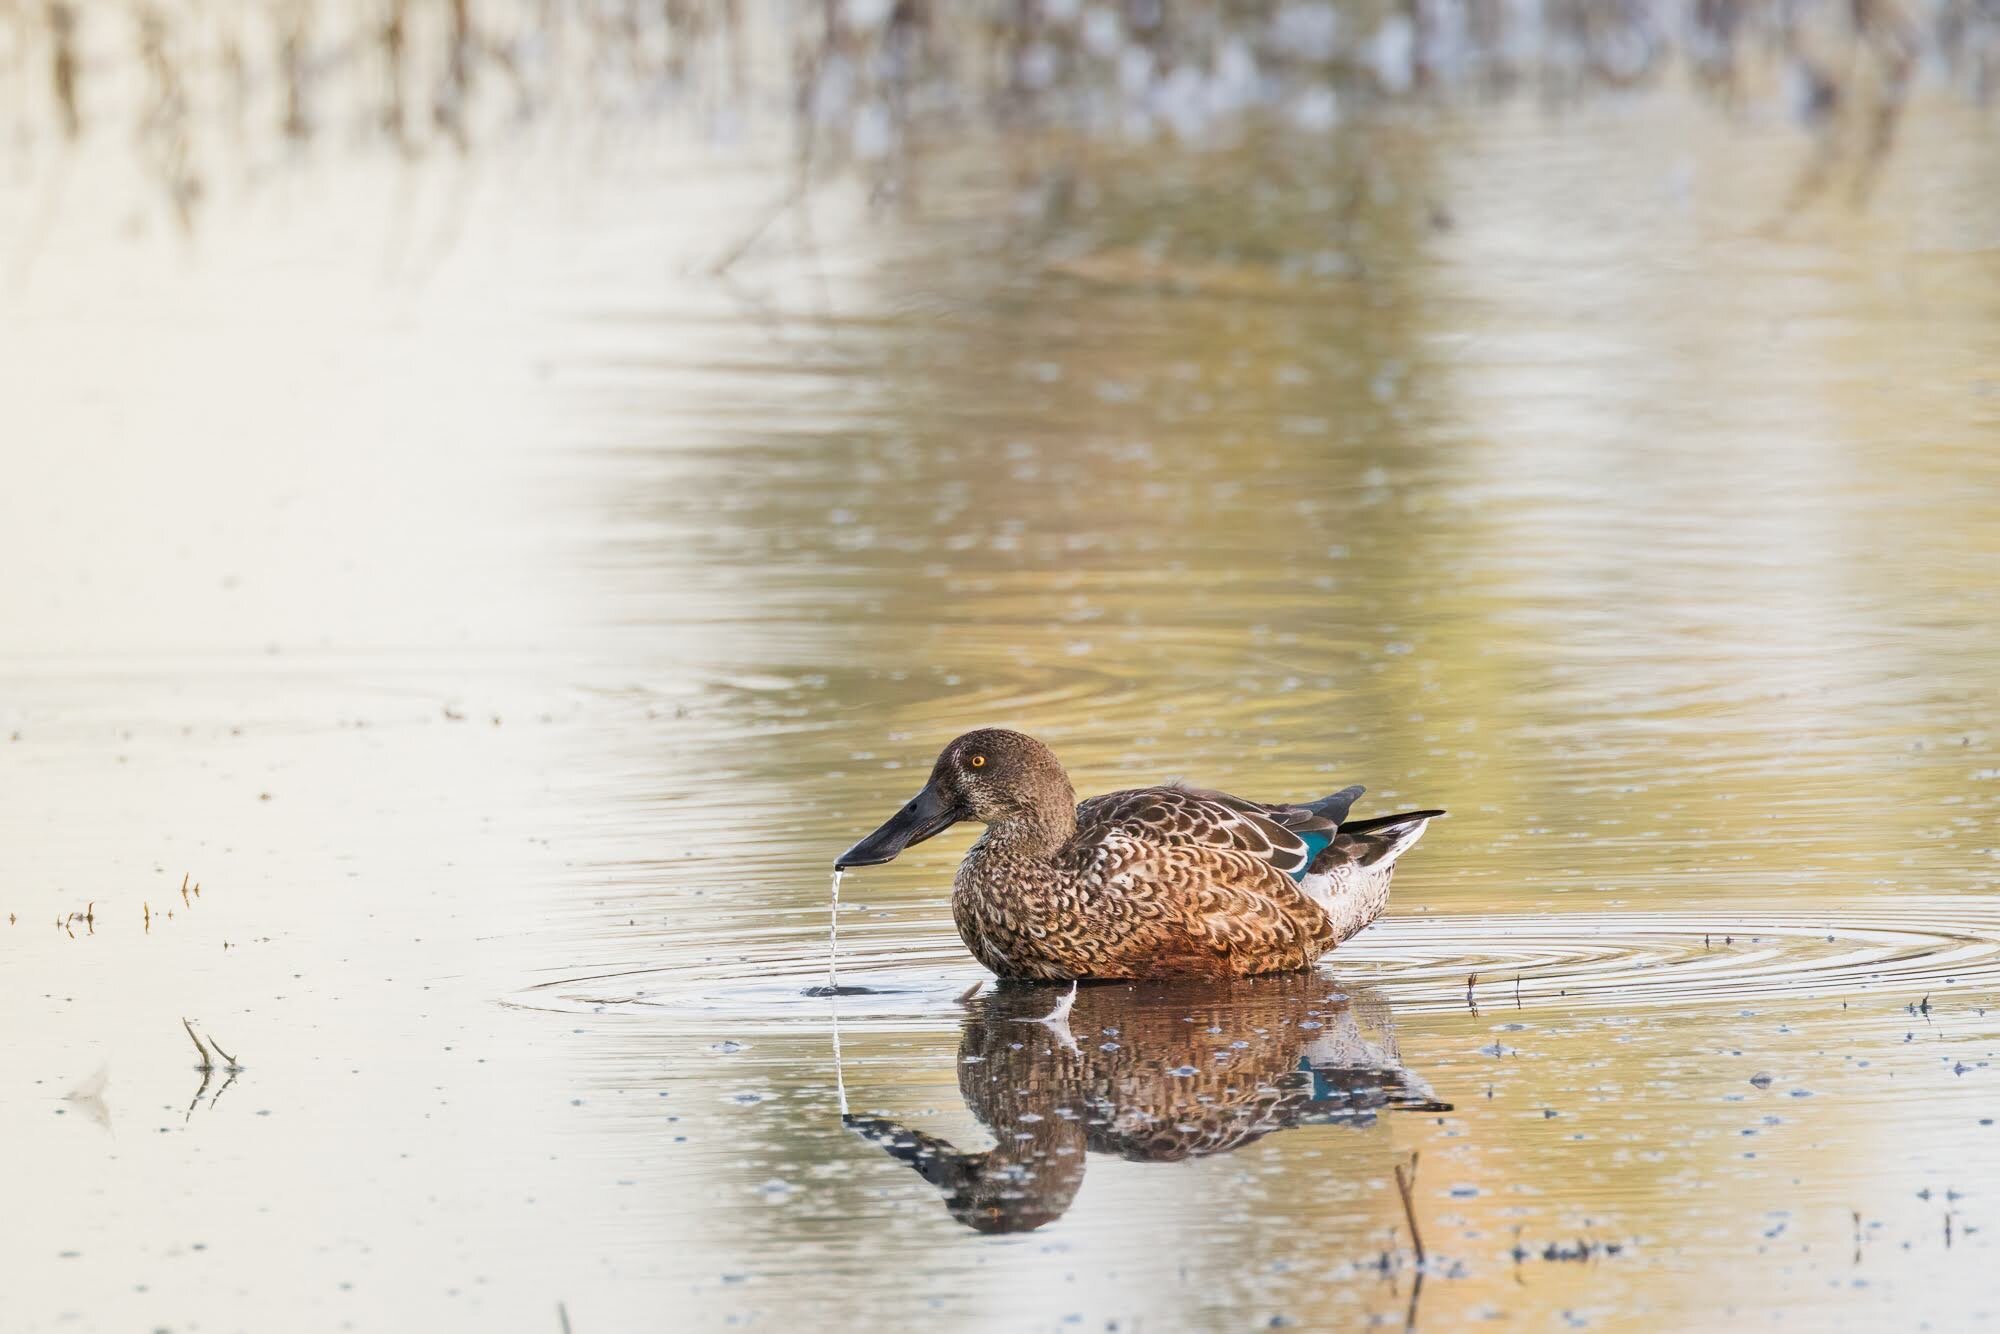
[(911, 969)]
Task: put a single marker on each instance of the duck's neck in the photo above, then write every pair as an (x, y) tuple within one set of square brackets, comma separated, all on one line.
[(1035, 834)]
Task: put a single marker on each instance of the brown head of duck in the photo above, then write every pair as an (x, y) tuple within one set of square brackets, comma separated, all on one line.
[(1007, 781)]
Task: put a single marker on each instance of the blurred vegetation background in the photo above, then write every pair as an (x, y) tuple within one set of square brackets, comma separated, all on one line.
[(197, 85)]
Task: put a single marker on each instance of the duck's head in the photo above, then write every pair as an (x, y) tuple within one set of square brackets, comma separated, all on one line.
[(994, 776)]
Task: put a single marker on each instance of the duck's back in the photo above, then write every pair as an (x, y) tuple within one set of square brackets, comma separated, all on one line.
[(1285, 837), (1342, 866)]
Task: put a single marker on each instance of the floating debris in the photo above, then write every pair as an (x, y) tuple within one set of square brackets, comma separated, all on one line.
[(1565, 1252)]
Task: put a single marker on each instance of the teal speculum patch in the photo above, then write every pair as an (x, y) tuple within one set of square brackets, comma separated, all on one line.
[(1316, 842)]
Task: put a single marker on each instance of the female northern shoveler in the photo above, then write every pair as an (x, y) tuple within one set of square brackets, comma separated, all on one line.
[(1152, 882)]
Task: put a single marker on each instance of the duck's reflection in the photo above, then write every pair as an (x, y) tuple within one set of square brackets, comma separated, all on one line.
[(1151, 1072)]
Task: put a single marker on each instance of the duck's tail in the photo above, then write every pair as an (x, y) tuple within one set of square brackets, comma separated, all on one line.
[(1383, 839), (1350, 876)]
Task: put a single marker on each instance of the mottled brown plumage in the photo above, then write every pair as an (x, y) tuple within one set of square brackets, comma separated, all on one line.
[(1151, 882), (1149, 1072)]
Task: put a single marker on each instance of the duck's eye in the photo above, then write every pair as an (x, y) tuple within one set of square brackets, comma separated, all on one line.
[(976, 761)]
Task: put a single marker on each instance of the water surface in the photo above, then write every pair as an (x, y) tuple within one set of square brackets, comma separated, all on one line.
[(505, 621)]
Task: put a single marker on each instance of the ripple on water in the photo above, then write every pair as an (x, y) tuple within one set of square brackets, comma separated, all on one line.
[(1931, 945), (1690, 957)]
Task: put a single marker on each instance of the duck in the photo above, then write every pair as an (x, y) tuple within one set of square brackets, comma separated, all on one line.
[(1169, 881)]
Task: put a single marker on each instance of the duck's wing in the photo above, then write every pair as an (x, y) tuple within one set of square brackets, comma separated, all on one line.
[(1288, 837)]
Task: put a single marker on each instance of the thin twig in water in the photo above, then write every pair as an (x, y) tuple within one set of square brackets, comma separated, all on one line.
[(207, 1074), (207, 1061), (1404, 1185), (233, 1066)]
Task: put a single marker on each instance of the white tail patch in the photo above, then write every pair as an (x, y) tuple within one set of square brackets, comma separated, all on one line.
[(1354, 894), (1405, 839)]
